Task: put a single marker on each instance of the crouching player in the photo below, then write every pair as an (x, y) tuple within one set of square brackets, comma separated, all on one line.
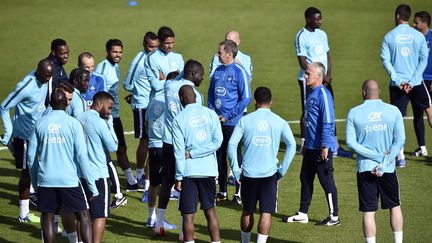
[(261, 132), (56, 141), (197, 134), (98, 127)]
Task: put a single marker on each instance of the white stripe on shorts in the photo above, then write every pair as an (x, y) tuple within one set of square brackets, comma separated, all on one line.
[(85, 197), (106, 199)]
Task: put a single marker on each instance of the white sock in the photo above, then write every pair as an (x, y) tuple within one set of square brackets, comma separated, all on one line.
[(32, 190), (245, 237), (398, 236), (119, 195), (152, 212), (401, 154), (215, 241), (24, 208), (302, 214), (147, 184), (262, 238), (42, 236), (334, 218), (370, 239), (72, 237), (129, 176), (423, 148), (192, 241), (160, 216), (139, 172)]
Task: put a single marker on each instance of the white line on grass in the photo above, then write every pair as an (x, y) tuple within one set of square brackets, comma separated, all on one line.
[(290, 122)]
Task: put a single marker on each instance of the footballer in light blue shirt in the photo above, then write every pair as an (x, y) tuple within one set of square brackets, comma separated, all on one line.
[(260, 132), (162, 61), (79, 78)]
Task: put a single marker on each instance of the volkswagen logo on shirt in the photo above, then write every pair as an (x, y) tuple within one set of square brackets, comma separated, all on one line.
[(201, 135), (41, 107), (262, 126)]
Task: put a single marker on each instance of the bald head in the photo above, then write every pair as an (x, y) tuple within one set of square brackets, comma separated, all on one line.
[(187, 95), (44, 71), (370, 89), (233, 36)]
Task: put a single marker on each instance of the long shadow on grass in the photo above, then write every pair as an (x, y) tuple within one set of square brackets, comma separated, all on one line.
[(12, 222), (11, 161), (13, 198), (233, 235)]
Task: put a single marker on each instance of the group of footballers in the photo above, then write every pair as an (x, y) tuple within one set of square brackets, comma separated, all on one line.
[(70, 124)]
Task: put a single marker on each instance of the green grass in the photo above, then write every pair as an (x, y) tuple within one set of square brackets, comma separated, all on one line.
[(355, 30)]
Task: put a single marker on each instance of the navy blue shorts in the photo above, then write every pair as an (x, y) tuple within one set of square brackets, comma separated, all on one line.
[(371, 187), (263, 190), (72, 199), (168, 167), (194, 189), (156, 162), (139, 123), (99, 206), (419, 97), (118, 129), (20, 152)]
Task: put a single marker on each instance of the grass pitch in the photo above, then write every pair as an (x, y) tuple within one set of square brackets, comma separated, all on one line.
[(355, 30)]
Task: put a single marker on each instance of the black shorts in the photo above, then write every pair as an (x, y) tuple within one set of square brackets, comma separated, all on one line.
[(118, 129), (194, 189), (304, 89), (139, 123), (168, 165), (20, 153), (72, 199), (371, 187), (263, 190), (99, 206), (419, 97), (156, 162)]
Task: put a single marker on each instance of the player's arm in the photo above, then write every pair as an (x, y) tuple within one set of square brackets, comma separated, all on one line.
[(386, 60), (244, 91), (290, 149), (210, 95), (328, 77), (351, 141), (179, 150), (326, 109), (398, 139), (232, 149), (213, 145), (11, 101), (80, 150), (128, 82), (33, 165), (154, 74), (422, 62), (107, 135), (302, 62), (213, 65)]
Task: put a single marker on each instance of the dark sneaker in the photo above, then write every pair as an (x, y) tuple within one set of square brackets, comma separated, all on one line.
[(237, 200), (419, 152), (329, 222), (118, 202), (221, 197), (174, 195), (137, 187), (340, 152), (297, 218), (400, 163)]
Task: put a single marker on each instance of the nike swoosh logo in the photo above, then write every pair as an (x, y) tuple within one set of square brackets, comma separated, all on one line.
[(298, 220)]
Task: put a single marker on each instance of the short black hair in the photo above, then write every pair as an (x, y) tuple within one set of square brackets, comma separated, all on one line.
[(404, 12), (311, 11), (102, 96), (172, 75), (113, 42), (58, 100), (77, 75), (262, 95), (165, 32), (149, 36), (83, 55), (192, 66), (56, 43), (424, 16), (66, 87)]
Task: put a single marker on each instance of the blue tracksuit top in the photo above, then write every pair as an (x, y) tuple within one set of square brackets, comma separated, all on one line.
[(160, 62), (136, 82), (173, 105), (198, 130), (229, 92), (100, 136), (111, 73), (319, 120), (28, 98), (427, 74), (56, 141), (404, 55), (96, 84), (155, 118), (260, 132), (241, 58), (375, 131)]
